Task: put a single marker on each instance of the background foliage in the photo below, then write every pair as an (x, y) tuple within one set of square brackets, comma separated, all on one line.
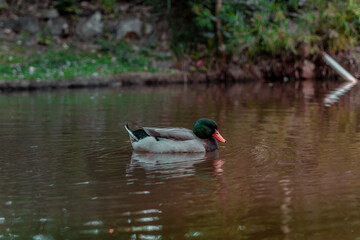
[(253, 27), (248, 29)]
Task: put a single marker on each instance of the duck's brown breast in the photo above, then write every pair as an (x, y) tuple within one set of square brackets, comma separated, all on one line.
[(210, 145)]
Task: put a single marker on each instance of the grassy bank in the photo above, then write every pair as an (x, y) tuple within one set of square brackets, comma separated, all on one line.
[(19, 62)]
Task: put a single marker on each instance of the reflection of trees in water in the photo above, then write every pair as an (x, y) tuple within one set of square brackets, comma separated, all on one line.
[(297, 140), (287, 154)]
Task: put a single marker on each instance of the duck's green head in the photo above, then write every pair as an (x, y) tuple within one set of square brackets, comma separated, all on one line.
[(207, 128)]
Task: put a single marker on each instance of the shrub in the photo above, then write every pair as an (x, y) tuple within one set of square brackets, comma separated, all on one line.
[(266, 27)]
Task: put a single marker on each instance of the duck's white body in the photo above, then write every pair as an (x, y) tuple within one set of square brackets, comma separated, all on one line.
[(171, 140)]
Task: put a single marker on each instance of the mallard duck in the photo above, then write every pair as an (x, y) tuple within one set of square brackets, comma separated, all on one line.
[(164, 140)]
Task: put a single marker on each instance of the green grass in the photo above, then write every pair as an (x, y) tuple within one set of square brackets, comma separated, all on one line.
[(56, 62)]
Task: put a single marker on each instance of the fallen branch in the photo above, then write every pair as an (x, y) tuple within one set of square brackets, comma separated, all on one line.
[(334, 96), (338, 68)]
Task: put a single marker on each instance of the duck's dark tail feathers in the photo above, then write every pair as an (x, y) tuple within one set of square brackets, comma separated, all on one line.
[(132, 136), (136, 135)]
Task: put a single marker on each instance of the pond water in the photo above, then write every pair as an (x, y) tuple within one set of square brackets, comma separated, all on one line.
[(290, 168)]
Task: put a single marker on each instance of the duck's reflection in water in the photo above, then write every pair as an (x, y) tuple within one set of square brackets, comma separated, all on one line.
[(162, 189), (170, 165)]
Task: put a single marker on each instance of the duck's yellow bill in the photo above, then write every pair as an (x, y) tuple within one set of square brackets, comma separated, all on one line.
[(218, 136)]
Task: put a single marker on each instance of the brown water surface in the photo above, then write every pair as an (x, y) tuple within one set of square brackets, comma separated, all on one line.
[(290, 168)]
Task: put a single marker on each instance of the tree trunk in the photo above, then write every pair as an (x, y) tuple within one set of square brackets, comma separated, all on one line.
[(221, 59), (221, 46)]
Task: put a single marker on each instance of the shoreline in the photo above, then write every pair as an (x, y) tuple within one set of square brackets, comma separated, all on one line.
[(271, 69), (124, 79)]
